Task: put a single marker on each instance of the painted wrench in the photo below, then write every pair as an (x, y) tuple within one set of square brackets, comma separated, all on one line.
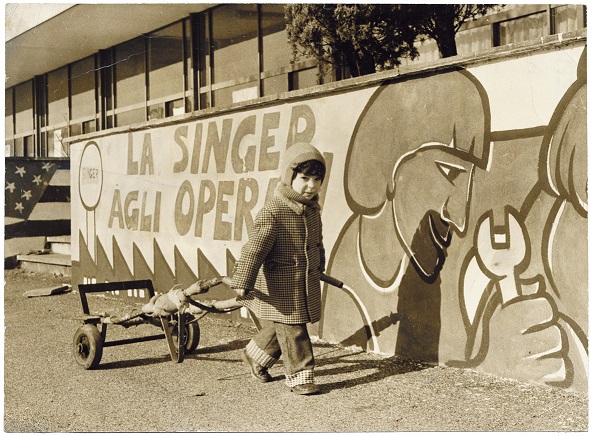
[(501, 250)]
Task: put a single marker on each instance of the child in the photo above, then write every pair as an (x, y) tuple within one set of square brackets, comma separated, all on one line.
[(278, 274)]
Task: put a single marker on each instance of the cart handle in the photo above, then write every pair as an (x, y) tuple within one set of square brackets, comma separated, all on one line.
[(331, 280), (324, 277), (211, 309), (228, 281)]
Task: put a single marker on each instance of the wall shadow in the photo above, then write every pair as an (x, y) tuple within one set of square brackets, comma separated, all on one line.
[(343, 364)]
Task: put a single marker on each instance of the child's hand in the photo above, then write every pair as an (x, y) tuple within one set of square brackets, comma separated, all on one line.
[(241, 292)]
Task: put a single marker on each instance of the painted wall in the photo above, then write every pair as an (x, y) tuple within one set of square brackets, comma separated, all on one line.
[(36, 203), (454, 209)]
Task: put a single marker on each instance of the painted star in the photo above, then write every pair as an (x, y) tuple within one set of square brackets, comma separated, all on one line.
[(19, 207), (47, 166), (21, 171), (10, 186), (37, 180), (27, 195)]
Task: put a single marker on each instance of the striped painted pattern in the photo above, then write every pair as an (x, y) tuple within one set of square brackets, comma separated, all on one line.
[(36, 203)]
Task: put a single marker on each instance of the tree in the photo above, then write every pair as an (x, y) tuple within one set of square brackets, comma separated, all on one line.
[(371, 37), (362, 37), (441, 22)]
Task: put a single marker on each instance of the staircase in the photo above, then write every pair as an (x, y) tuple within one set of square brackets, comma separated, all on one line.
[(55, 259)]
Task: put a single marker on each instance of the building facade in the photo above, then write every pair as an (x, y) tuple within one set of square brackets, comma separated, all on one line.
[(81, 71)]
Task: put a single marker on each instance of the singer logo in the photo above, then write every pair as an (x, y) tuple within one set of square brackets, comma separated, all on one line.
[(90, 176)]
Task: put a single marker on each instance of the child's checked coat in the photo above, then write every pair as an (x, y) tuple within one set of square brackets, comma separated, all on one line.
[(285, 244)]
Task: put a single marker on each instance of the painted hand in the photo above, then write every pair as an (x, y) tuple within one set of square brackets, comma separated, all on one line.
[(526, 341)]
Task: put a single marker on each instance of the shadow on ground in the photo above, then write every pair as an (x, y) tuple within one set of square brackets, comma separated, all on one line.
[(349, 363)]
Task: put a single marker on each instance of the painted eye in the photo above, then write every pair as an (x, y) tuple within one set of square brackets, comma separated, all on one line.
[(450, 171)]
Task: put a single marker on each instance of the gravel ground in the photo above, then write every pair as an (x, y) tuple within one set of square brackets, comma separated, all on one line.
[(137, 388)]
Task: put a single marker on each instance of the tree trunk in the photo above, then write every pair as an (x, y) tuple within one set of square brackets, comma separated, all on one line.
[(361, 66), (446, 42)]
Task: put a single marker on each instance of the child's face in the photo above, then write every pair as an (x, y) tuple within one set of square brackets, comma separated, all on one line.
[(306, 185)]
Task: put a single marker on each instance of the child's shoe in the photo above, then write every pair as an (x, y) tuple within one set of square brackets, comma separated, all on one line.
[(258, 372), (306, 389)]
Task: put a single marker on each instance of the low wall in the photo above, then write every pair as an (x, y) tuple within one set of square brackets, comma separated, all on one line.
[(454, 207)]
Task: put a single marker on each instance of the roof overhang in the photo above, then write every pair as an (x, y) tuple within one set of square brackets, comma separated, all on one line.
[(82, 30)]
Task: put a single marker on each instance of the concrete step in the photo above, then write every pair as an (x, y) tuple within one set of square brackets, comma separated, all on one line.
[(51, 263), (60, 244), (15, 246)]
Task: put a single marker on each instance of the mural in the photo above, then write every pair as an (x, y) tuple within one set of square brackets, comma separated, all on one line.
[(455, 210), (524, 305), (523, 282), (36, 203)]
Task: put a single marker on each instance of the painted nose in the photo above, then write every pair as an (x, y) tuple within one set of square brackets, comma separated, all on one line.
[(455, 209), (454, 216)]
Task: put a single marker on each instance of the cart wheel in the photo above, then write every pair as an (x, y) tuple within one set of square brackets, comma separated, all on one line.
[(88, 346), (192, 336)]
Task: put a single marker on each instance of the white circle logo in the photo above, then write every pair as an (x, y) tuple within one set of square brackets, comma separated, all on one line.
[(90, 176)]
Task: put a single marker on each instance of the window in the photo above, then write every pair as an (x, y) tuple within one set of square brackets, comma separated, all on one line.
[(234, 31), (8, 122), (243, 53), (567, 18), (130, 82), (188, 71), (58, 112), (83, 97), (151, 77), (521, 29), (275, 54), (57, 97), (107, 90), (235, 53), (203, 58), (23, 119), (166, 72)]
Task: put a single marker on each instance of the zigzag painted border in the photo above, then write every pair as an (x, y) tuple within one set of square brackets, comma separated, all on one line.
[(163, 278)]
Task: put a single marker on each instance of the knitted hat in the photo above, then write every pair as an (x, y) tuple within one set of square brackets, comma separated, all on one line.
[(296, 154)]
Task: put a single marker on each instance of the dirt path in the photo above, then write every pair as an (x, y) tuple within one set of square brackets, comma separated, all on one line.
[(136, 387)]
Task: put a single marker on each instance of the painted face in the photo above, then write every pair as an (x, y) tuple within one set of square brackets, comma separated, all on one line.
[(306, 185), (433, 187)]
